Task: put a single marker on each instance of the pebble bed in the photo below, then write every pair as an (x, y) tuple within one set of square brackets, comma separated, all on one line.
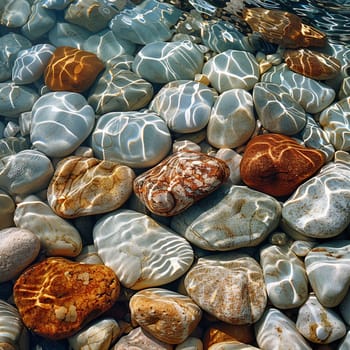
[(173, 177)]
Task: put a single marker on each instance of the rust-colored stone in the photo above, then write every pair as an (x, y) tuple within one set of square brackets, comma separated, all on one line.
[(283, 28), (276, 164), (71, 69), (180, 180), (57, 297), (312, 64)]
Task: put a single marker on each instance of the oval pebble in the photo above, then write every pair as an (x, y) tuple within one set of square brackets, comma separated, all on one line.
[(140, 251), (18, 249), (15, 14)]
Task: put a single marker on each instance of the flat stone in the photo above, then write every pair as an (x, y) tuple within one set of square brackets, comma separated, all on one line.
[(319, 207), (232, 69), (276, 164), (58, 237), (128, 138), (169, 316), (63, 296), (327, 267), (7, 208), (141, 252), (285, 277), (178, 181), (58, 132), (319, 324), (88, 186), (232, 120), (229, 219), (229, 286), (185, 105), (18, 248)]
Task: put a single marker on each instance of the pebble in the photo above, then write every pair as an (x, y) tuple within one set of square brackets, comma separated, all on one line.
[(168, 316), (232, 345), (58, 132), (229, 219), (344, 90), (345, 343), (191, 343), (277, 110), (55, 4), (18, 249), (141, 252), (88, 186), (12, 145), (232, 69), (58, 237), (162, 62), (319, 324), (11, 129), (179, 181), (56, 296), (232, 121), (185, 105), (229, 286), (276, 164), (15, 13), (128, 138), (232, 159), (7, 208)]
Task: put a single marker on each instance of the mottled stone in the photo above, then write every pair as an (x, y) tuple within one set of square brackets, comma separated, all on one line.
[(283, 28), (169, 316), (88, 186), (58, 132), (319, 324), (319, 207), (162, 62), (128, 138), (335, 122), (232, 121), (18, 248), (7, 208), (13, 334), (178, 181), (57, 236), (31, 63), (229, 286), (185, 105), (140, 251), (277, 164), (16, 99), (118, 91), (146, 23), (285, 277), (277, 109), (56, 297), (25, 172), (15, 13), (276, 331), (229, 219), (312, 95), (327, 267), (232, 69), (96, 336)]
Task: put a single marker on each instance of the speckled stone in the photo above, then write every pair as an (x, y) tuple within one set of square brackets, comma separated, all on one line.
[(58, 237), (162, 62), (229, 219), (18, 249), (276, 331), (185, 105), (232, 121), (232, 69), (229, 286), (327, 267), (277, 110), (319, 324), (88, 186), (285, 277), (58, 132), (56, 297), (118, 91), (25, 172), (128, 138), (31, 63), (15, 13), (140, 251), (169, 316)]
